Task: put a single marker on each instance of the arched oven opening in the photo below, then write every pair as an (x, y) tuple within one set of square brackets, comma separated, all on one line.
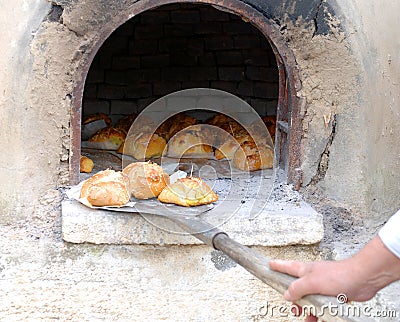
[(192, 45)]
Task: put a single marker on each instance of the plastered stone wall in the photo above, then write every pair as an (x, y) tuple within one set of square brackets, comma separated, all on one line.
[(348, 146)]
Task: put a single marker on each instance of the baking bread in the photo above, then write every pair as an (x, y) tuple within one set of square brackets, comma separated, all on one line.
[(227, 149), (86, 164), (109, 135), (270, 123), (191, 142), (219, 119), (146, 179), (190, 191), (174, 124), (125, 122), (95, 117), (105, 188), (251, 156), (144, 146)]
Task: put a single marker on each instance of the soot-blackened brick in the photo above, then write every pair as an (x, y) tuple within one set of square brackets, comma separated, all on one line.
[(185, 16), (149, 31), (231, 73), (265, 90), (138, 91), (267, 74), (229, 58), (246, 42), (143, 46), (175, 73), (165, 87), (203, 73), (125, 62), (218, 43), (110, 91), (155, 61)]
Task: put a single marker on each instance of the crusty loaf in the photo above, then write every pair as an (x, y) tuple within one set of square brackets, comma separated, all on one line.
[(146, 179), (106, 188), (95, 117), (126, 122), (86, 164), (109, 134), (144, 146), (251, 156), (193, 141), (189, 191)]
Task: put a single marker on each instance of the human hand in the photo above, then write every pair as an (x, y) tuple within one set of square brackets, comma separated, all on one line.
[(358, 277)]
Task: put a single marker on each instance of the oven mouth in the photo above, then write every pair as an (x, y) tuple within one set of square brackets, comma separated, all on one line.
[(279, 105)]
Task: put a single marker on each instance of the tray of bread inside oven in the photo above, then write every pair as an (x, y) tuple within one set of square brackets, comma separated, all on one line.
[(138, 169)]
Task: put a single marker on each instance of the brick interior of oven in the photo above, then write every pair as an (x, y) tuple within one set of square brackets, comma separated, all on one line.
[(176, 47)]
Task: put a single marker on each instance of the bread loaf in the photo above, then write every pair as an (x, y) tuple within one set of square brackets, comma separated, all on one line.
[(86, 164), (106, 188), (146, 179), (190, 191)]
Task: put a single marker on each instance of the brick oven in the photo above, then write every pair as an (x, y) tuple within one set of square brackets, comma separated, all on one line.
[(326, 71)]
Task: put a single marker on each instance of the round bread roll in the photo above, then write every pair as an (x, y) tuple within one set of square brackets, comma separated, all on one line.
[(109, 135), (86, 164), (174, 124), (227, 149), (188, 143), (105, 188), (219, 119), (270, 123), (125, 122), (95, 117), (251, 156), (189, 191), (146, 179), (144, 146)]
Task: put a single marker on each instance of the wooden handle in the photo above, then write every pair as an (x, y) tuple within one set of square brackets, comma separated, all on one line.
[(258, 265)]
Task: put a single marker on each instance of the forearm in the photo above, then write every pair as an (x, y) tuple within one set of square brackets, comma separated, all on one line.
[(359, 277), (373, 268)]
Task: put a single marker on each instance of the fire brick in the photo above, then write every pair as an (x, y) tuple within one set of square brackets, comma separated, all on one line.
[(231, 73), (267, 74), (138, 91), (110, 91), (125, 62), (185, 16)]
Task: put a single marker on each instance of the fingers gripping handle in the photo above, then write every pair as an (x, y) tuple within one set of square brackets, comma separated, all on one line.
[(258, 265)]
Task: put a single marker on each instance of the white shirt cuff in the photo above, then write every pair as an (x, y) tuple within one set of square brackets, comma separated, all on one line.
[(390, 234)]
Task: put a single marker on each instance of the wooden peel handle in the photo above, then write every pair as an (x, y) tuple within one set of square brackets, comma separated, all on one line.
[(258, 265)]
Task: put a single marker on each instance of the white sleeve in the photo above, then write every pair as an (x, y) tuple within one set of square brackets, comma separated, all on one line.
[(390, 234)]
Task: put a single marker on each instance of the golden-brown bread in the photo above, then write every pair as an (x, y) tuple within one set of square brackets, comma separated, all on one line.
[(95, 117), (270, 123), (251, 156), (219, 119), (126, 122), (146, 179), (191, 142), (106, 188), (190, 191), (174, 124), (86, 164), (227, 149), (143, 146), (109, 134)]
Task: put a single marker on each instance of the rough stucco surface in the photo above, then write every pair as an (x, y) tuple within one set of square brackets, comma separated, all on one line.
[(48, 279), (351, 72)]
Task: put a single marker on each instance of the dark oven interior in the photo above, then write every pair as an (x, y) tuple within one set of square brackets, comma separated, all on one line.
[(176, 47)]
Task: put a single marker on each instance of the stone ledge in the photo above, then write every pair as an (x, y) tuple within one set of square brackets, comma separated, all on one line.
[(289, 225)]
